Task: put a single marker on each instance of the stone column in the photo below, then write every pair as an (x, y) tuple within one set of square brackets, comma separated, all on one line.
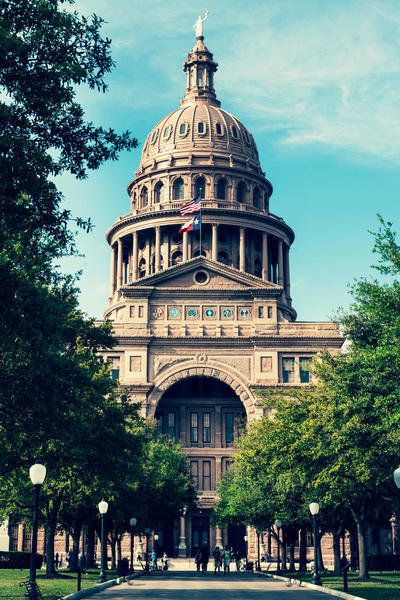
[(119, 264), (287, 271), (280, 263), (147, 254), (218, 537), (242, 250), (214, 241), (182, 536), (157, 250), (265, 256), (112, 272), (134, 256), (185, 246)]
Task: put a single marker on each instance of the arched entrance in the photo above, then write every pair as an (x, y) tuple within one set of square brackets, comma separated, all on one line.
[(206, 416)]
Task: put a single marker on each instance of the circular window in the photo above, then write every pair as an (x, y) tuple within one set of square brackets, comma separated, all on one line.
[(209, 313), (201, 277), (154, 136)]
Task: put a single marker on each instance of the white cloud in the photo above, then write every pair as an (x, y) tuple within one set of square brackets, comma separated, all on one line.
[(321, 73)]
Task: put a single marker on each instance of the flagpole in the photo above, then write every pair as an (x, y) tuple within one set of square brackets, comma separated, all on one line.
[(201, 224)]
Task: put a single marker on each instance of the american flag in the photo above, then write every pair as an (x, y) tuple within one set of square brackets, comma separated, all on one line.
[(190, 207)]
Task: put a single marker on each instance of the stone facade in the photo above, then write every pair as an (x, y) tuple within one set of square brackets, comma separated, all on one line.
[(204, 320)]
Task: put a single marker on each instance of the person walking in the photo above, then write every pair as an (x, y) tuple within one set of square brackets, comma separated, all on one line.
[(237, 558), (197, 560), (227, 560), (217, 560), (205, 555)]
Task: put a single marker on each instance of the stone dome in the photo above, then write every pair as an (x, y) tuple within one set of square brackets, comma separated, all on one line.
[(199, 126)]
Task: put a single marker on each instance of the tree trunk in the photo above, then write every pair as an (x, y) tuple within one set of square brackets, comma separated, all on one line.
[(119, 548), (76, 536), (283, 553), (113, 555), (50, 528), (292, 566), (303, 550), (362, 546), (336, 552), (321, 565), (90, 561)]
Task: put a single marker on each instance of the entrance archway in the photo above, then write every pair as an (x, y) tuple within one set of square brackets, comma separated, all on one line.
[(207, 417)]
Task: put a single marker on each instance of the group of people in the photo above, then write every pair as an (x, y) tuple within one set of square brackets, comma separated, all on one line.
[(222, 559)]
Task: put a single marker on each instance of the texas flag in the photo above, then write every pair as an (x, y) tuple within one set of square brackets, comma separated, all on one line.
[(193, 225)]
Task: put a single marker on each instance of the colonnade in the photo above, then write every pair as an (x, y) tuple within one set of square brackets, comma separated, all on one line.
[(118, 277)]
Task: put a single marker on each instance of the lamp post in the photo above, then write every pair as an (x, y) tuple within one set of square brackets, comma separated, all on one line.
[(278, 525), (258, 550), (37, 473), (314, 510), (156, 538), (132, 523), (103, 508), (246, 541), (396, 477)]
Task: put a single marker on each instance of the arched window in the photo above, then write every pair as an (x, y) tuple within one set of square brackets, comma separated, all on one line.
[(159, 192), (221, 189), (144, 197), (241, 192), (197, 253), (200, 187), (176, 257), (142, 267), (223, 257), (178, 189), (256, 197)]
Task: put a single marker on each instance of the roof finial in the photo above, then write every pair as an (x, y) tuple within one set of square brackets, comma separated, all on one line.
[(198, 26)]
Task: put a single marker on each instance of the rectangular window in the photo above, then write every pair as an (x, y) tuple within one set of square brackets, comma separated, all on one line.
[(131, 311), (160, 424), (229, 428), (304, 363), (13, 533), (287, 370), (201, 127), (171, 425), (206, 475), (228, 465), (194, 428), (26, 540), (218, 128), (113, 362), (140, 312), (260, 312), (269, 312), (206, 428), (194, 471)]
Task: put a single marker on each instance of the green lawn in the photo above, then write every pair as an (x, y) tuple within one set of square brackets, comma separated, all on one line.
[(64, 583), (384, 585)]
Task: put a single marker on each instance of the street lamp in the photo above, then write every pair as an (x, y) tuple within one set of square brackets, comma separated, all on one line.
[(258, 550), (396, 477), (278, 525), (103, 508), (314, 510), (246, 539), (37, 473), (132, 523)]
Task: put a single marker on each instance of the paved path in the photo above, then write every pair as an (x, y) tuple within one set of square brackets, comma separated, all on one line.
[(190, 586)]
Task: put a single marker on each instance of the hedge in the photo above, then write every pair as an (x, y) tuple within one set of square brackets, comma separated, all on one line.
[(18, 560)]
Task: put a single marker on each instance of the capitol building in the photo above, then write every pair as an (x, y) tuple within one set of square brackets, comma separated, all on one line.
[(204, 320)]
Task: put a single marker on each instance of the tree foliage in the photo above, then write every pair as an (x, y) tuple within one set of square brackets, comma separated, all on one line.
[(339, 440)]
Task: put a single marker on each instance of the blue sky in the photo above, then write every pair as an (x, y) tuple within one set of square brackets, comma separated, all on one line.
[(318, 84)]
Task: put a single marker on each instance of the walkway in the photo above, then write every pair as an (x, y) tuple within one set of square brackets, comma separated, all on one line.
[(177, 586)]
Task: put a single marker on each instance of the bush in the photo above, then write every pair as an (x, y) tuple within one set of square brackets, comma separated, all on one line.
[(384, 562), (18, 560)]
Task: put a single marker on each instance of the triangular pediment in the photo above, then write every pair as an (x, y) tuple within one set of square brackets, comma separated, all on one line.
[(218, 276)]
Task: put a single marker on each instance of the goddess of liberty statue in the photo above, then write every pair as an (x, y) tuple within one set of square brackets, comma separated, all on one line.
[(198, 26)]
